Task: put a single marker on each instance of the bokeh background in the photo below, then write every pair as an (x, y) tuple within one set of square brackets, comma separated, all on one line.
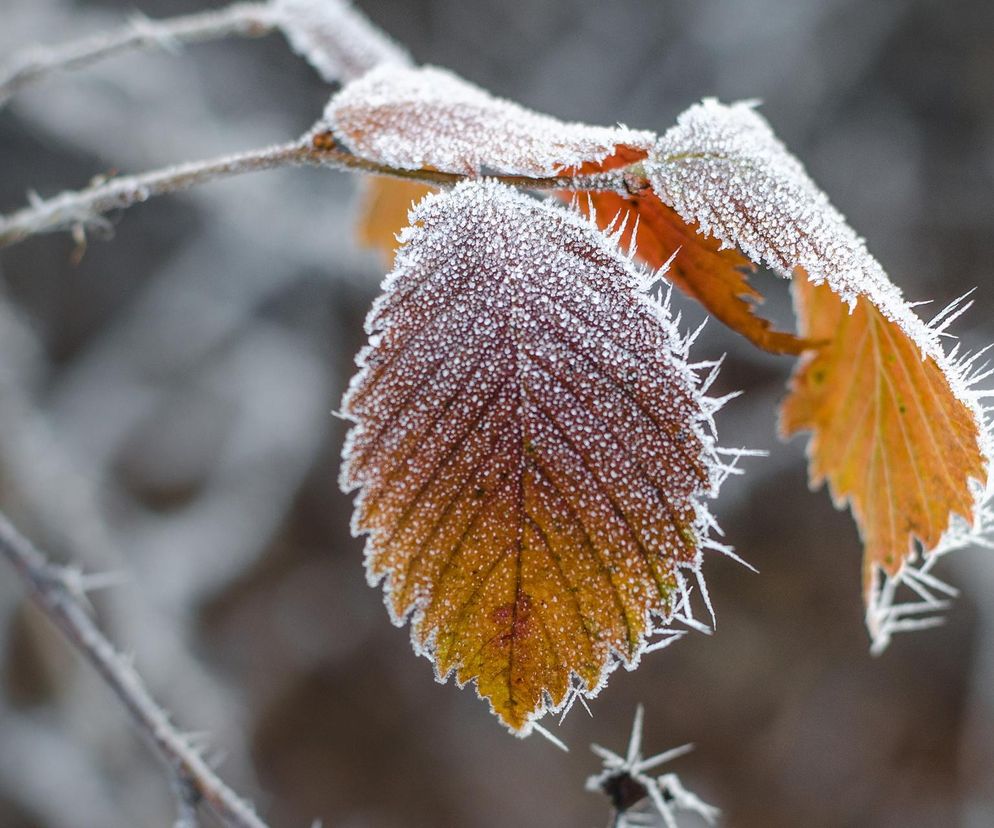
[(165, 413)]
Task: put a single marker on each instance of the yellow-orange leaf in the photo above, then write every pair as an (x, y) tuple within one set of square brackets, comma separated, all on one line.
[(899, 432), (890, 436), (383, 207), (715, 277), (530, 449)]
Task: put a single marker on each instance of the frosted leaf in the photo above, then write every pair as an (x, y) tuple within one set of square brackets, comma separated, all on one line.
[(723, 168), (899, 432), (429, 117), (892, 439), (532, 448), (337, 39)]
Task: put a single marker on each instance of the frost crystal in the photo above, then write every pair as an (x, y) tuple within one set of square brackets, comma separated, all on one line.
[(722, 167), (533, 449), (429, 117), (335, 38)]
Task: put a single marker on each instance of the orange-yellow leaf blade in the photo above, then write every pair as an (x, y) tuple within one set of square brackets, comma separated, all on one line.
[(899, 431), (889, 434), (531, 450)]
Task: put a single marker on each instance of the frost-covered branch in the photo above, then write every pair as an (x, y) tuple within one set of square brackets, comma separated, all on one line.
[(60, 594), (626, 781), (238, 20), (83, 209)]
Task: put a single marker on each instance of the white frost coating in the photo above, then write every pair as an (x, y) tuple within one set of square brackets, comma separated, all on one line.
[(487, 290), (337, 39), (722, 167), (429, 117)]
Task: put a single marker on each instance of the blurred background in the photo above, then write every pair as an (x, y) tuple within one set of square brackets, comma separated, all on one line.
[(165, 413)]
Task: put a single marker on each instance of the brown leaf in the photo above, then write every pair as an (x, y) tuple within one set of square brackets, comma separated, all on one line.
[(715, 277), (890, 436), (530, 449)]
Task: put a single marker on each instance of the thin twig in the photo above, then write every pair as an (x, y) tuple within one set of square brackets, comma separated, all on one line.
[(51, 587), (240, 19), (83, 208)]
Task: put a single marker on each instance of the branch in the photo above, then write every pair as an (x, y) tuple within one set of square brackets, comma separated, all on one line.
[(240, 19), (56, 591), (84, 208)]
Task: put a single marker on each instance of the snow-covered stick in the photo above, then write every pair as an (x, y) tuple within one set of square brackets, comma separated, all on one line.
[(238, 20), (83, 209), (53, 590)]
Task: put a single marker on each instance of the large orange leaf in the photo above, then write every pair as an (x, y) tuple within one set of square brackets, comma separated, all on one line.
[(890, 435), (899, 432), (716, 277), (530, 448)]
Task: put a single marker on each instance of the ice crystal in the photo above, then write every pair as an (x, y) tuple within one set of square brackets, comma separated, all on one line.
[(429, 117), (336, 38)]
